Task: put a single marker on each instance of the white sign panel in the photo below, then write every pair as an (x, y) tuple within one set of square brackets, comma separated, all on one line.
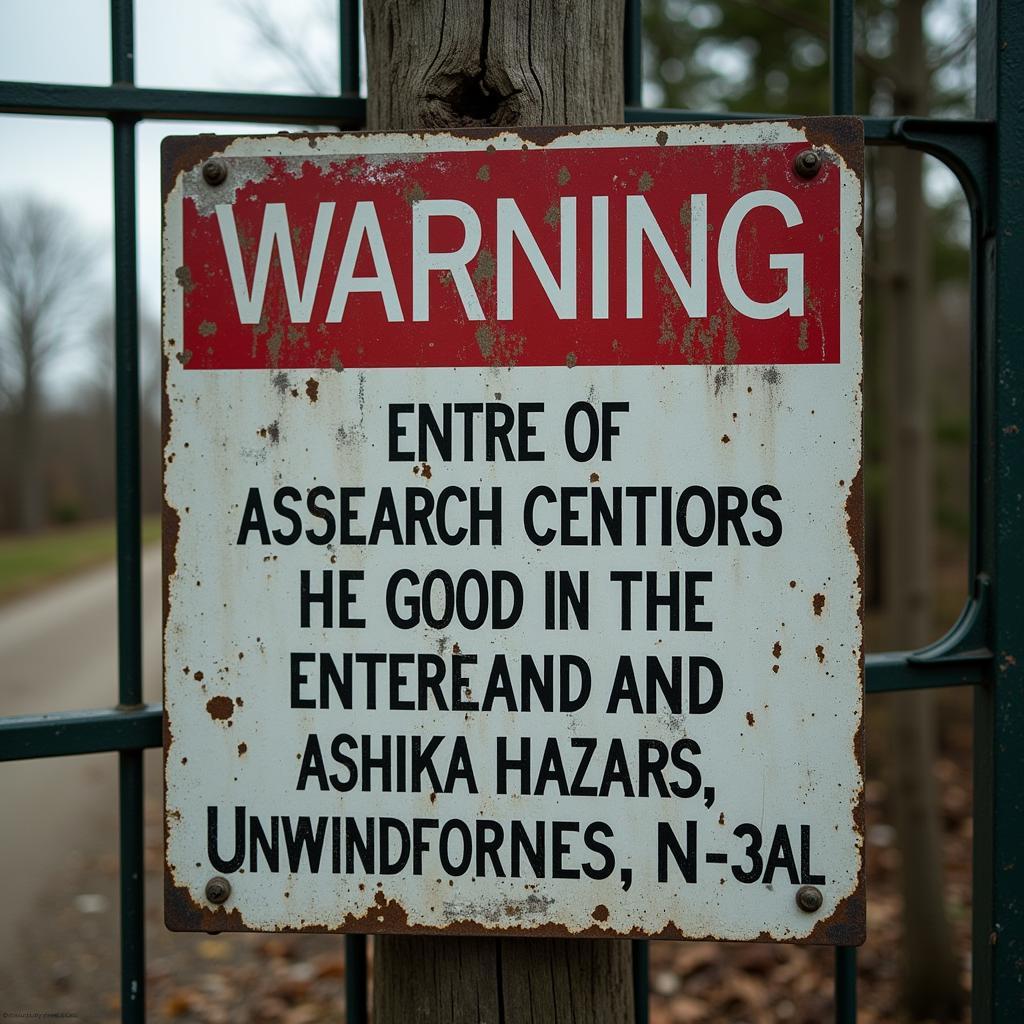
[(513, 532)]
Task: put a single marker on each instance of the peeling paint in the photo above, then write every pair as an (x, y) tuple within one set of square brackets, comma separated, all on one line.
[(764, 398), (219, 708)]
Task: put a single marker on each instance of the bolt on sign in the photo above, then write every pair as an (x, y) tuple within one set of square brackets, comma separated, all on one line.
[(513, 532)]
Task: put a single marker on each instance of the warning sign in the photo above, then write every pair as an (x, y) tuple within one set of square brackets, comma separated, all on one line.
[(513, 532)]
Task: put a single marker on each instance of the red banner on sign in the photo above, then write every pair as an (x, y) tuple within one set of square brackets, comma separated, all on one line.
[(659, 255)]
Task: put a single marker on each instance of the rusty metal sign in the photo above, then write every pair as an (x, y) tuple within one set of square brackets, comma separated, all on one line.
[(513, 532)]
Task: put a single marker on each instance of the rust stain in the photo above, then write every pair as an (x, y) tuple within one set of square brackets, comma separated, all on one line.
[(600, 912), (485, 269), (484, 174), (845, 926), (855, 526), (570, 360), (820, 652), (842, 135), (312, 389), (198, 677), (594, 478), (662, 137), (725, 439), (818, 603), (183, 914), (456, 649), (485, 340), (220, 708), (414, 193), (426, 471), (750, 719), (777, 650), (388, 916), (184, 277), (732, 342), (242, 748)]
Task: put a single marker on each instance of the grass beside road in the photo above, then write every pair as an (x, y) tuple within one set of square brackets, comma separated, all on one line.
[(28, 562)]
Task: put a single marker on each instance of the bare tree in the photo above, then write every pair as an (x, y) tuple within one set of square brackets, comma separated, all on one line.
[(96, 401), (931, 984), (289, 46), (45, 267), (99, 389)]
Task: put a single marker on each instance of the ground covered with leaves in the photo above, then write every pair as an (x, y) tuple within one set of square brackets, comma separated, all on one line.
[(68, 961)]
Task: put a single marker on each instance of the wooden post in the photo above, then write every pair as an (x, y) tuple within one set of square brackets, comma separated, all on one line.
[(462, 64)]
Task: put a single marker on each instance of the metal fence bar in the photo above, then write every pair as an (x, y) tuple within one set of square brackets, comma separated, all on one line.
[(25, 737), (129, 539), (844, 985), (998, 926), (841, 56), (348, 67), (355, 979), (348, 46), (99, 730), (193, 105), (632, 91), (641, 950), (632, 55)]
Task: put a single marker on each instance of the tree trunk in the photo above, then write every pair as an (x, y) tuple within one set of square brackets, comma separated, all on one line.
[(459, 64), (930, 976), (27, 456)]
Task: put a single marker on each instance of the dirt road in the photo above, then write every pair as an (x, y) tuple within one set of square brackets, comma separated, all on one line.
[(58, 651)]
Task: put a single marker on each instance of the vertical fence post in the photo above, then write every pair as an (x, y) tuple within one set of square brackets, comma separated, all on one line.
[(632, 55), (841, 60), (348, 66), (129, 568), (348, 33), (633, 85), (998, 932)]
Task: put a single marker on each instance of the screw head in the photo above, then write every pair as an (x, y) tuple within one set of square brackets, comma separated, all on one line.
[(218, 889), (807, 163), (809, 898), (215, 172)]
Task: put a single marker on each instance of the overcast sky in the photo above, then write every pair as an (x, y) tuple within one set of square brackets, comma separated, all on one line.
[(190, 44)]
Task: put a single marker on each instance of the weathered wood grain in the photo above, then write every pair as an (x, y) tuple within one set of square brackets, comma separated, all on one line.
[(476, 63)]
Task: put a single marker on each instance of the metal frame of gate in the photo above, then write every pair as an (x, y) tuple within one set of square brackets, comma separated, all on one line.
[(982, 650)]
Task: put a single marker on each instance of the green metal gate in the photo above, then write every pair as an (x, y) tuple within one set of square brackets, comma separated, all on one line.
[(982, 650)]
